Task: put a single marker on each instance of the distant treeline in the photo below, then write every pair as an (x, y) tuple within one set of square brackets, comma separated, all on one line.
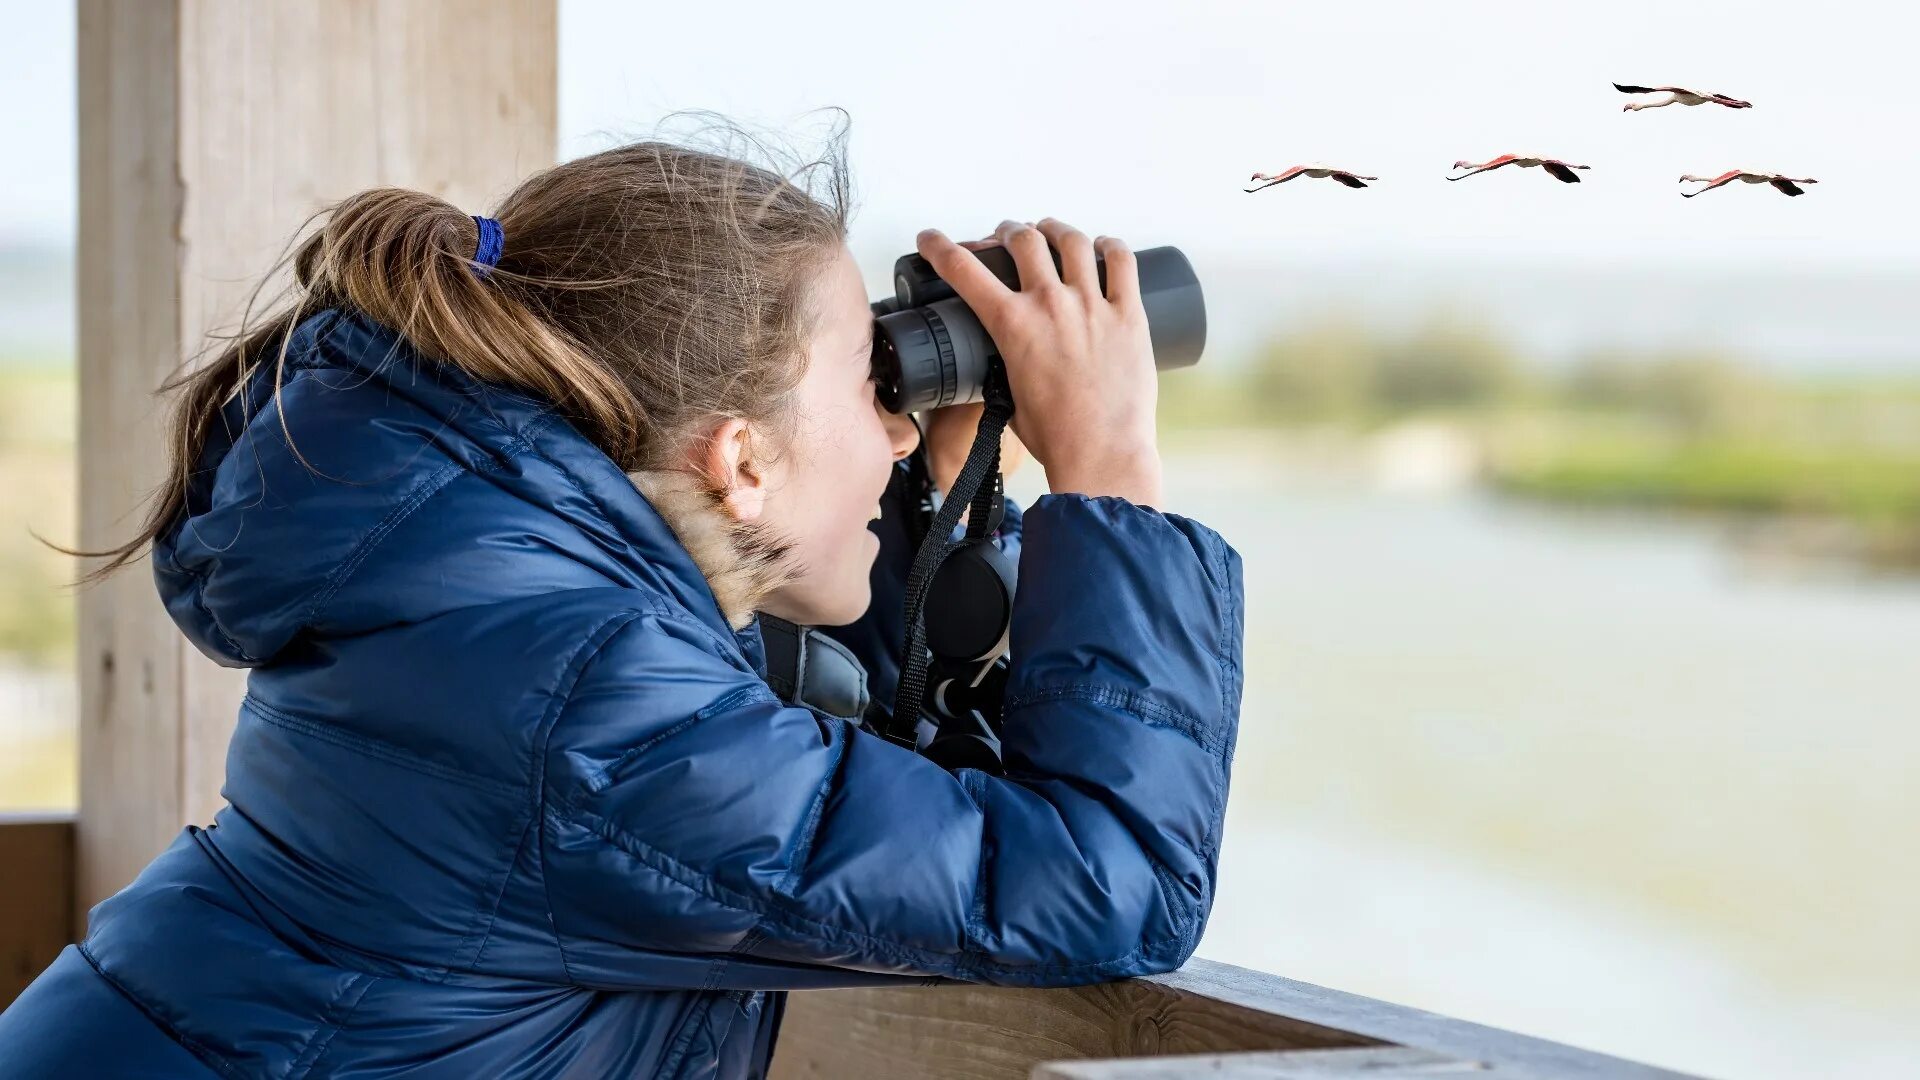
[(1341, 371), (1681, 429)]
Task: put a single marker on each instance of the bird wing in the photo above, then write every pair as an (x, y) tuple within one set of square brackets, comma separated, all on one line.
[(1348, 178), (1503, 159), (1625, 89), (1787, 186), (1718, 181), (1560, 172), (1281, 179)]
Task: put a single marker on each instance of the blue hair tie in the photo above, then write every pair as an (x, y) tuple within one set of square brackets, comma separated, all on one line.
[(486, 254)]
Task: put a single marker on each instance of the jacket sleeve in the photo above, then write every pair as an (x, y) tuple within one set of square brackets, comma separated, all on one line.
[(689, 811), (875, 638)]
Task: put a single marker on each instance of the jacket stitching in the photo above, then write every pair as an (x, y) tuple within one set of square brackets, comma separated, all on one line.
[(809, 829), (383, 751), (1230, 673), (1163, 874), (427, 488), (672, 869), (1139, 705), (974, 783), (199, 1049), (486, 918), (570, 676), (601, 778), (322, 1036), (691, 1022)]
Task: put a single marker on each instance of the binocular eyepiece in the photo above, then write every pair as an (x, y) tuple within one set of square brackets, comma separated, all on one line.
[(931, 350)]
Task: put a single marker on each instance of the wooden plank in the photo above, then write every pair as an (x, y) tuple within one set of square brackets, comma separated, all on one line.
[(36, 896), (209, 129), (964, 1031), (1207, 1008), (1512, 1054), (1367, 1061)]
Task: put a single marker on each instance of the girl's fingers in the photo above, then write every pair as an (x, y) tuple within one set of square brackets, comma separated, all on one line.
[(1123, 274), (1077, 267), (960, 268), (1030, 255)]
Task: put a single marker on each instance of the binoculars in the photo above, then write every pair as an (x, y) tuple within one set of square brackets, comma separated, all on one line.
[(931, 350)]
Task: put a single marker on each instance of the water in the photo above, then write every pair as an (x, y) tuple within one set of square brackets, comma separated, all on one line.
[(1585, 776)]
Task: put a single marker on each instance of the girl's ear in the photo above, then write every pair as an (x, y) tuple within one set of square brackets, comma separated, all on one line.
[(740, 473)]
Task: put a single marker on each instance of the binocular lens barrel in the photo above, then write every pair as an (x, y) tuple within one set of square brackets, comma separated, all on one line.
[(931, 350)]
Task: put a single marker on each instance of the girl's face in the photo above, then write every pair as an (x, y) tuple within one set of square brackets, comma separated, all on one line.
[(820, 495)]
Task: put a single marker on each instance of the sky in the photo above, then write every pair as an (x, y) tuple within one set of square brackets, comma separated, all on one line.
[(1145, 120)]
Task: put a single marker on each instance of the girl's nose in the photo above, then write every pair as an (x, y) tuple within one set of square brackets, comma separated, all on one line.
[(902, 432)]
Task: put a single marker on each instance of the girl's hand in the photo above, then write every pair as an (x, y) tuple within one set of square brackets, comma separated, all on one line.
[(950, 431), (1080, 363)]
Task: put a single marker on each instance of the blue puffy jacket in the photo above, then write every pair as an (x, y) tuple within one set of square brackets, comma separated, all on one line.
[(509, 797)]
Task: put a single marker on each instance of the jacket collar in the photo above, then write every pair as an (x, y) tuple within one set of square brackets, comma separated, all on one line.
[(742, 564)]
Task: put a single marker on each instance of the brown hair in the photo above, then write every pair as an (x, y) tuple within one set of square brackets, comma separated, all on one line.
[(643, 290)]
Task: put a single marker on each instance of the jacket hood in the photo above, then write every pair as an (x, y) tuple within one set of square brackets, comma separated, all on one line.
[(382, 487)]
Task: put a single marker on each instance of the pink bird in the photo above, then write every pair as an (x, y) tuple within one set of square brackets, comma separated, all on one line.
[(1786, 185), (1559, 170), (1676, 95), (1318, 172)]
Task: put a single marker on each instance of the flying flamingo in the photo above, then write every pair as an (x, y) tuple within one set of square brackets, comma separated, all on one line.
[(1676, 95), (1559, 170), (1316, 171), (1786, 185)]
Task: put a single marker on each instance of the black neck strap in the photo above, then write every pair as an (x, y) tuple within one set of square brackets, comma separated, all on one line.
[(984, 502)]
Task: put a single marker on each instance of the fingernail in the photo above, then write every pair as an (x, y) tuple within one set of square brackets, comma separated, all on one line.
[(924, 233)]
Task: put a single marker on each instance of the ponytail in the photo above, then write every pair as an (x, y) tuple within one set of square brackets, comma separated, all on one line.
[(641, 291)]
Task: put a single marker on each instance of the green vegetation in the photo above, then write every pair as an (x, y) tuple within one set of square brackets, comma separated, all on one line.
[(37, 412), (1683, 430)]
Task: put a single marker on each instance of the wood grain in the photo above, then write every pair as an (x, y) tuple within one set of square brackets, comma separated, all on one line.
[(976, 1032), (1370, 1061), (36, 897), (209, 130), (1216, 1014)]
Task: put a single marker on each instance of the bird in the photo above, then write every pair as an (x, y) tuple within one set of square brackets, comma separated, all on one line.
[(1318, 172), (1786, 185), (1559, 170), (1676, 95)]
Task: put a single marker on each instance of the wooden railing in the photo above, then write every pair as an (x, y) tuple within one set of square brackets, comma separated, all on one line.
[(36, 896), (1207, 1019)]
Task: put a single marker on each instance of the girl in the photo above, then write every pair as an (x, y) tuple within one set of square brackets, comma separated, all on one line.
[(489, 510)]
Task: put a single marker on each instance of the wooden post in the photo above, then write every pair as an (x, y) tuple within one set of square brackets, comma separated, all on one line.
[(209, 130)]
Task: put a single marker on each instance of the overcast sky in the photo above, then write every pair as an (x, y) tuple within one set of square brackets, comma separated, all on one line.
[(1145, 120)]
